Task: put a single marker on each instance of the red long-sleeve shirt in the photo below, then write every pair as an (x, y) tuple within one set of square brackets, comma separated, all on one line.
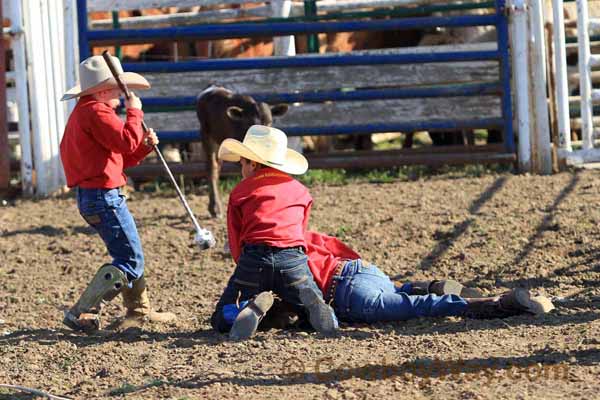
[(269, 208), (98, 145), (324, 254)]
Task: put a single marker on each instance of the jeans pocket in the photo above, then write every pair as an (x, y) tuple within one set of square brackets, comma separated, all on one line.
[(93, 212), (247, 277), (369, 269), (295, 276), (92, 219), (114, 199)]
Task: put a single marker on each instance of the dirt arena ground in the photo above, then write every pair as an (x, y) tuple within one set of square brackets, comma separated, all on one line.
[(495, 232)]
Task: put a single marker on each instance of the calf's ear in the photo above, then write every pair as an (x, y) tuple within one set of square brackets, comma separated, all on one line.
[(234, 113), (279, 109)]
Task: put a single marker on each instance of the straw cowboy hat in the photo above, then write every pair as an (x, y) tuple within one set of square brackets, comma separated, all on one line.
[(95, 76), (265, 145)]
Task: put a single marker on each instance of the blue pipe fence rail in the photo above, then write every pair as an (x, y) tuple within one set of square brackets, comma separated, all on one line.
[(230, 31), (502, 88)]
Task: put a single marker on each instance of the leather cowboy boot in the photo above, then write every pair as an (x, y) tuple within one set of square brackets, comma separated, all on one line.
[(247, 320), (137, 303), (514, 302), (320, 315), (108, 282)]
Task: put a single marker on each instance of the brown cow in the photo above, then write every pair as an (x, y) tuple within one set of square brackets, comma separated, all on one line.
[(224, 114)]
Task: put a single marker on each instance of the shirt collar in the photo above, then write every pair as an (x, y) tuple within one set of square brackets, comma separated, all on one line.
[(83, 100), (266, 172)]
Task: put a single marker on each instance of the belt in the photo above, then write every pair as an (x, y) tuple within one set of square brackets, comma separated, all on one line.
[(266, 247), (330, 297)]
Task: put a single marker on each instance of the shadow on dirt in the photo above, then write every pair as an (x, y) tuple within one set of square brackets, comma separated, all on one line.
[(447, 240), (51, 231), (415, 327), (50, 337), (172, 220), (547, 223), (579, 272), (18, 396), (541, 366), (554, 318)]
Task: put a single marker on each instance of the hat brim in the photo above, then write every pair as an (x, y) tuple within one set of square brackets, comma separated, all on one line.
[(232, 149), (131, 79)]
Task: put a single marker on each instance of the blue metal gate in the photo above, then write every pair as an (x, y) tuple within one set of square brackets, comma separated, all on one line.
[(501, 88)]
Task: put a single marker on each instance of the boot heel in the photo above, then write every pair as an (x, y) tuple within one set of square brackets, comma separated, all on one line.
[(247, 321), (446, 287), (320, 315)]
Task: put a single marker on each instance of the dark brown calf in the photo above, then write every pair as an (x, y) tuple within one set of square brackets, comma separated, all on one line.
[(224, 114)]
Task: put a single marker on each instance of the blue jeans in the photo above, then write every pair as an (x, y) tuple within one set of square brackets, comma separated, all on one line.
[(261, 268), (106, 211), (365, 294)]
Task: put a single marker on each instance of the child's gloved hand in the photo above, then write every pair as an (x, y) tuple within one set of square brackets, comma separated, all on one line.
[(150, 138), (133, 101)]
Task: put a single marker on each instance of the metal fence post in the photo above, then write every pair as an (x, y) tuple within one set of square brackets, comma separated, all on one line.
[(312, 40), (543, 154), (4, 148), (502, 33), (561, 87), (585, 85), (519, 46), (285, 46)]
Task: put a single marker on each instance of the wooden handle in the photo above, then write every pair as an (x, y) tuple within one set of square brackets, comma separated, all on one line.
[(113, 70), (122, 85)]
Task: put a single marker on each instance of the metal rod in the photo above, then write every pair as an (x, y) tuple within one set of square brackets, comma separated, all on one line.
[(123, 86), (82, 25), (116, 25), (212, 16), (502, 32), (4, 147), (312, 40), (216, 31)]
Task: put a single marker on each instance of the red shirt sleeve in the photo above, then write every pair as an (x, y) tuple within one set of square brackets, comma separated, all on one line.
[(130, 160), (307, 214), (114, 134), (234, 222)]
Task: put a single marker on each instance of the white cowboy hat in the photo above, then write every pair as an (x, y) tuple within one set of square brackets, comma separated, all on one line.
[(265, 145), (95, 76)]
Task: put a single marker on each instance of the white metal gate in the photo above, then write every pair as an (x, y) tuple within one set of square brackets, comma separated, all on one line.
[(40, 45), (588, 152)]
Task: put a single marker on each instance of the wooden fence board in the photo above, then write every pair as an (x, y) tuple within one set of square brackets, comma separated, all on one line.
[(307, 79), (287, 80)]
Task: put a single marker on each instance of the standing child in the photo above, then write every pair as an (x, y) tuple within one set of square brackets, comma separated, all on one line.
[(267, 217), (96, 147)]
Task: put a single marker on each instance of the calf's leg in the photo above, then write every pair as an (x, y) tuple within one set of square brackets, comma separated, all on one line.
[(214, 202)]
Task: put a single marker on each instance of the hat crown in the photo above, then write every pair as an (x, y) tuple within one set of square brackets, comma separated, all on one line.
[(94, 70), (267, 142)]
